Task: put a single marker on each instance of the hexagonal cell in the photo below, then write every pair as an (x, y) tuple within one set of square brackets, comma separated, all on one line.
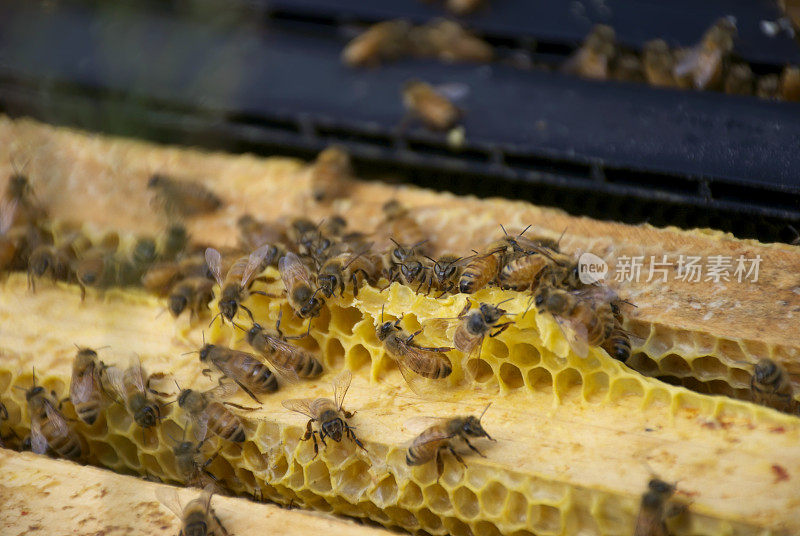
[(621, 387), (466, 502), (410, 496), (740, 377), (279, 467), (105, 454), (343, 319), (493, 498), (456, 527), (5, 380), (524, 355), (596, 387), (567, 380), (485, 528), (539, 378), (546, 519), (480, 370), (334, 353), (496, 348), (510, 376), (674, 365), (517, 509), (126, 450), (358, 356), (642, 364), (437, 498), (118, 418), (385, 492), (709, 366), (401, 517), (353, 480), (429, 521), (318, 479)]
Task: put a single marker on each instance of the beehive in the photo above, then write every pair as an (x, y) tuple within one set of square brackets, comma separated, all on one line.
[(577, 438)]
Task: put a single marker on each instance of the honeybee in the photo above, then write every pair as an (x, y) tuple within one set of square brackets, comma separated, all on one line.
[(197, 517), (446, 272), (541, 265), (485, 268), (249, 373), (161, 278), (97, 268), (48, 260), (133, 391), (658, 63), (386, 40), (329, 415), (628, 68), (585, 316), (463, 7), (173, 242), (183, 198), (29, 211), (349, 267), (430, 105), (770, 386), (790, 83), (87, 385), (4, 417), (189, 462), (475, 326), (287, 359), (427, 362), (297, 281), (235, 288), (703, 62), (739, 80), (329, 174), (209, 414), (8, 246), (400, 226), (653, 512), (768, 87), (593, 58), (254, 233), (194, 293), (429, 444), (49, 427), (450, 42)]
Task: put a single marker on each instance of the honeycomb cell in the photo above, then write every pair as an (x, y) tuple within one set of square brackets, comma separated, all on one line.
[(295, 478), (334, 354), (150, 464), (466, 502), (731, 350), (118, 418), (125, 449), (480, 370), (596, 387), (495, 348), (105, 454), (456, 527), (623, 387), (539, 378), (525, 355), (546, 519), (385, 492), (510, 376), (401, 517), (411, 496), (485, 528), (568, 380), (437, 498), (318, 479), (740, 377), (343, 319), (517, 508), (674, 365), (279, 467), (5, 380), (708, 367), (493, 498), (353, 480), (358, 356), (429, 521)]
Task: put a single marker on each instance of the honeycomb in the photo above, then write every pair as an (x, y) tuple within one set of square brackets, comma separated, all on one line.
[(577, 439), (706, 337)]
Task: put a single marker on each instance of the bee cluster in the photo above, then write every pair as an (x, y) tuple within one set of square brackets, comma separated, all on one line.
[(317, 263)]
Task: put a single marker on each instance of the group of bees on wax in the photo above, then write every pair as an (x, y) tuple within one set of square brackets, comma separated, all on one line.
[(708, 65)]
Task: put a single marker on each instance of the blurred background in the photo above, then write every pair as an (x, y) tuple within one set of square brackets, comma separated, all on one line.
[(672, 113)]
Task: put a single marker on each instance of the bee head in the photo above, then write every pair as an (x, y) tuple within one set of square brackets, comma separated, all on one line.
[(764, 370), (155, 181), (311, 307), (184, 394), (385, 329), (327, 283), (33, 392), (228, 308), (652, 500), (411, 270), (490, 313), (147, 416), (472, 427), (334, 428), (177, 303), (205, 350), (144, 252), (18, 185), (660, 487)]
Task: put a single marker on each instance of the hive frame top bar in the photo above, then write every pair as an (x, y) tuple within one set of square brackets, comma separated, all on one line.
[(701, 149)]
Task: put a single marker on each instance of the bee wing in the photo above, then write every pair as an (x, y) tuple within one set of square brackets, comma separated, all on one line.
[(292, 269), (286, 373), (8, 210), (56, 419), (114, 376), (225, 389), (168, 496), (299, 405), (444, 324), (200, 426), (576, 334), (707, 65), (81, 387), (253, 263), (595, 293), (687, 63), (420, 385), (38, 441), (135, 373), (340, 386), (214, 262)]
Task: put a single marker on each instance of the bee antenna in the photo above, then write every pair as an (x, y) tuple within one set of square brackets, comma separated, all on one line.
[(418, 244), (525, 230), (238, 326), (395, 242), (504, 229), (484, 411), (203, 334), (558, 244), (33, 370), (504, 301), (172, 438), (213, 319), (382, 306), (177, 385)]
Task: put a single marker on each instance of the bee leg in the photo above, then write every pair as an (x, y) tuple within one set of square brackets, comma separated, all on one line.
[(249, 312), (500, 328), (348, 414), (219, 524), (352, 436), (237, 406), (473, 448), (354, 281), (439, 464), (458, 456), (83, 291), (411, 337)]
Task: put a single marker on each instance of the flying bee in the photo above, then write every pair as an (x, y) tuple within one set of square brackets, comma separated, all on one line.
[(585, 316), (254, 233), (628, 68), (250, 374), (189, 462), (768, 87), (790, 83), (209, 414), (703, 62), (463, 7), (770, 386), (297, 281), (197, 517), (133, 390), (594, 57), (386, 40), (49, 426), (182, 198), (739, 80), (87, 385), (287, 359), (328, 174), (658, 63), (426, 362), (430, 443), (48, 260), (430, 105), (329, 415), (348, 267), (450, 42), (235, 288), (194, 292), (653, 510)]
